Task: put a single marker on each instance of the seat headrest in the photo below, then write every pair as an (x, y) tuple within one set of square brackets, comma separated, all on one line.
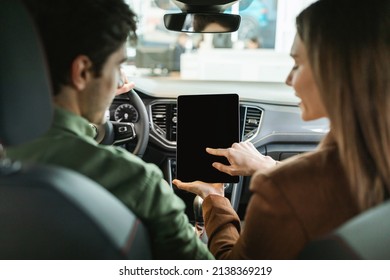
[(25, 89)]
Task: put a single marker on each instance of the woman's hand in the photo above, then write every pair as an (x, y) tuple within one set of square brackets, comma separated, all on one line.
[(244, 159), (200, 188)]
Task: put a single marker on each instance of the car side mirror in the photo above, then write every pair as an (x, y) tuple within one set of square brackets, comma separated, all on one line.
[(202, 22)]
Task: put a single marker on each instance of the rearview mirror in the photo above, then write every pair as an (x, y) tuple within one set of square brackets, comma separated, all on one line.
[(202, 22)]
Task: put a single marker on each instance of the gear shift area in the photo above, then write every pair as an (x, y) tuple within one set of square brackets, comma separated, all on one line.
[(199, 222)]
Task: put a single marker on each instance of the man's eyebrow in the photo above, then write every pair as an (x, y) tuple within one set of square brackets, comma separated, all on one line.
[(123, 60)]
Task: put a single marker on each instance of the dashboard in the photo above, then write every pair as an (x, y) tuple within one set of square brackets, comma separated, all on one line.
[(273, 126)]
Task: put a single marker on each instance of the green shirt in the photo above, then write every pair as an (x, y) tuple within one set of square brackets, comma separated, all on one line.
[(69, 143)]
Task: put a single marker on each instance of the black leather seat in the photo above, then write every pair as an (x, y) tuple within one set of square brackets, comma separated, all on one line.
[(49, 212), (366, 236)]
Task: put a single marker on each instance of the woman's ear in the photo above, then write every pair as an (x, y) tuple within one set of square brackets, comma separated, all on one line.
[(81, 72)]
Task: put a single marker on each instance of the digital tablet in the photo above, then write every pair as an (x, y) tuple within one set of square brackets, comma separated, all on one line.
[(205, 120)]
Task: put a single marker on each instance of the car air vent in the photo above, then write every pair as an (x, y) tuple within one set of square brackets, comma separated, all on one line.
[(251, 117), (164, 120)]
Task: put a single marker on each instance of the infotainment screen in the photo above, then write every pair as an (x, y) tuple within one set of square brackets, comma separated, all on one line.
[(205, 120)]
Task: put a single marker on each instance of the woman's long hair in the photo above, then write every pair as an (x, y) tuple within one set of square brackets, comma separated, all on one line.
[(348, 45)]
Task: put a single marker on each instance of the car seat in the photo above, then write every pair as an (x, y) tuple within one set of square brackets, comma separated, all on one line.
[(48, 212), (366, 236)]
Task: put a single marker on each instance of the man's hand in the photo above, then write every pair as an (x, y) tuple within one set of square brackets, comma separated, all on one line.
[(124, 84)]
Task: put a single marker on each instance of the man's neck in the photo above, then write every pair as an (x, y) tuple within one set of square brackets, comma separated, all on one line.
[(67, 99)]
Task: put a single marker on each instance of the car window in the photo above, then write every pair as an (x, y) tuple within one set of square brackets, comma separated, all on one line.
[(257, 51)]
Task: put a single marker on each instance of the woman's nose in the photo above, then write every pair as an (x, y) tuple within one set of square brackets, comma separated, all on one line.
[(288, 79)]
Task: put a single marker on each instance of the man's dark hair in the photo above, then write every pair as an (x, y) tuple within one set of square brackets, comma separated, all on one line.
[(68, 28)]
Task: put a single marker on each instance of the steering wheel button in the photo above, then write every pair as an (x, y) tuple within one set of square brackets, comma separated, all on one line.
[(122, 129)]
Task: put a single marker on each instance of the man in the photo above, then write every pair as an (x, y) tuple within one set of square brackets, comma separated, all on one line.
[(85, 45)]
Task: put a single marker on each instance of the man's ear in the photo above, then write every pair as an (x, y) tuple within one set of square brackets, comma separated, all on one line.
[(81, 72)]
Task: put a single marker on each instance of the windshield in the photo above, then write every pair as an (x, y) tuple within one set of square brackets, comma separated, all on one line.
[(257, 51)]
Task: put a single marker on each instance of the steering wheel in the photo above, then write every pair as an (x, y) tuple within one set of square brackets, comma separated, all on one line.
[(112, 132)]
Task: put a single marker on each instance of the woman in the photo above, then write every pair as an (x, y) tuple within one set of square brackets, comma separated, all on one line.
[(341, 71)]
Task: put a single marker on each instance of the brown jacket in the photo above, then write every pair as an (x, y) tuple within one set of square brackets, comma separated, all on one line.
[(304, 197)]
